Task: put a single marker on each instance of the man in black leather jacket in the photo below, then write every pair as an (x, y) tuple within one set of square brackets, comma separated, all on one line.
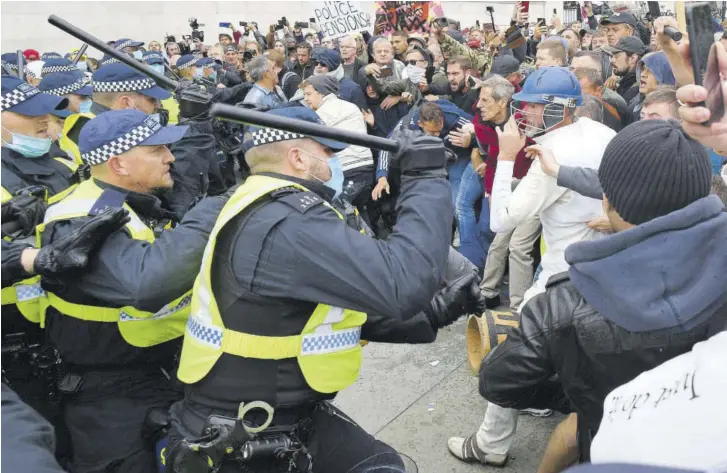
[(630, 301)]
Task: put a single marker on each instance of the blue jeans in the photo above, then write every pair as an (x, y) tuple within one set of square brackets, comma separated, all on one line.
[(455, 170), (474, 236)]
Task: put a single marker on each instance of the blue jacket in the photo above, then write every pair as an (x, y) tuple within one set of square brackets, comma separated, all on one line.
[(350, 91), (665, 273), (454, 119)]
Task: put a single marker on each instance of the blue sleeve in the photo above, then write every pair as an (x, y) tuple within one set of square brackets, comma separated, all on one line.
[(382, 168), (717, 161)]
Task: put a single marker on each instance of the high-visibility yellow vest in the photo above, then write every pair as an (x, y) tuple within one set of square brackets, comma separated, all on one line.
[(67, 144), (172, 107), (27, 294), (327, 350), (139, 328)]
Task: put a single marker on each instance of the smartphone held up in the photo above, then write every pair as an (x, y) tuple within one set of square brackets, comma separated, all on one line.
[(703, 55)]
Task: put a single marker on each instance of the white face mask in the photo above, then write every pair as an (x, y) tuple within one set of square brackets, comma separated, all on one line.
[(724, 174), (415, 73)]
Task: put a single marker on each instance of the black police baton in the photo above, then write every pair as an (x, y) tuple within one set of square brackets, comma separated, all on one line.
[(21, 64), (80, 53), (269, 120), (673, 33), (118, 55)]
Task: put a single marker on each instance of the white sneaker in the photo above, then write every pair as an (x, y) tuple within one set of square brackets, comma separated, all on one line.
[(466, 449), (537, 412)]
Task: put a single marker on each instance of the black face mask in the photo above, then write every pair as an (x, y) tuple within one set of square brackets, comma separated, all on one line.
[(163, 116)]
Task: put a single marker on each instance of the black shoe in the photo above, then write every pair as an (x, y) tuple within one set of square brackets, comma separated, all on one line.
[(492, 302)]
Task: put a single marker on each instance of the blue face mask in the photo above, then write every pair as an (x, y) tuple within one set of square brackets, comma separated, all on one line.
[(158, 67), (28, 146), (199, 73), (85, 106), (336, 181), (82, 66), (138, 55)]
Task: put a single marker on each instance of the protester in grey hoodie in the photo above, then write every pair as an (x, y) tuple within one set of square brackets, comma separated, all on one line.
[(653, 70), (632, 300)]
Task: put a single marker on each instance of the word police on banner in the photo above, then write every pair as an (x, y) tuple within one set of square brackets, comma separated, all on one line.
[(338, 18)]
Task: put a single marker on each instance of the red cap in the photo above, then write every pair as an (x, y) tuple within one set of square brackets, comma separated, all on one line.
[(31, 55)]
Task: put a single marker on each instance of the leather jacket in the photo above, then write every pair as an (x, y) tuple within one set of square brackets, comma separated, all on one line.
[(561, 334)]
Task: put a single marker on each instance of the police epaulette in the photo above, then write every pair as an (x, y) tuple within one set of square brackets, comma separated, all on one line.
[(556, 279), (300, 201), (109, 199)]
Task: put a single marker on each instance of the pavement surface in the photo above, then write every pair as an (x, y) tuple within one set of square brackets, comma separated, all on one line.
[(414, 397)]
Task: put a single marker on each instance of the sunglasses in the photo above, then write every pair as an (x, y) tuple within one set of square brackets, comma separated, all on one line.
[(412, 62)]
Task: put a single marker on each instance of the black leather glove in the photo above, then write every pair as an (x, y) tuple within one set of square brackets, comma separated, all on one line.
[(71, 252), (419, 154), (460, 297), (25, 212)]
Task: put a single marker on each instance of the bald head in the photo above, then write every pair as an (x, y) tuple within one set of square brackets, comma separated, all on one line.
[(303, 158)]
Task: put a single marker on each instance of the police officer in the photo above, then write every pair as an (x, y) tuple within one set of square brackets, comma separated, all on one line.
[(27, 168), (287, 290), (68, 85), (118, 326), (130, 47), (56, 65)]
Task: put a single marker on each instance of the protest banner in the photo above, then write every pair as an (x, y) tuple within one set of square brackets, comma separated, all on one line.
[(341, 18), (409, 17)]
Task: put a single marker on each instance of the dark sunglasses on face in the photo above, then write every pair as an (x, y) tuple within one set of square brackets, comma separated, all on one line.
[(412, 62)]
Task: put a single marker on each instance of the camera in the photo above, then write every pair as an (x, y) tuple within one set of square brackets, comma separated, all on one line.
[(170, 38), (441, 22), (196, 33), (301, 24), (246, 56), (491, 9), (243, 24)]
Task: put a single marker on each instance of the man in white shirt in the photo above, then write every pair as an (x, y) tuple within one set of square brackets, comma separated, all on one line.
[(549, 99)]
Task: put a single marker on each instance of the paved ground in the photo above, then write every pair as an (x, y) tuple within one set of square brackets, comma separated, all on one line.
[(415, 396)]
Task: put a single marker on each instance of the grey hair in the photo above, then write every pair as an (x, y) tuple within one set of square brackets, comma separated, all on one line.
[(258, 67), (663, 94), (501, 88), (591, 108), (380, 40)]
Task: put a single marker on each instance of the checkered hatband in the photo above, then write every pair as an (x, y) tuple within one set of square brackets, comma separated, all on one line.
[(108, 61), (268, 135), (123, 85), (125, 44), (10, 65), (67, 89), (187, 64), (19, 94), (122, 144), (53, 69)]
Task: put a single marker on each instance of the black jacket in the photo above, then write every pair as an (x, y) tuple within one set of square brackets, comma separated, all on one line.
[(628, 88), (466, 100), (304, 71), (622, 309), (128, 272), (263, 281), (289, 82), (19, 172)]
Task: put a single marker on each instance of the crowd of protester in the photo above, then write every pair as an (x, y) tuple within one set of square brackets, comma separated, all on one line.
[(594, 223)]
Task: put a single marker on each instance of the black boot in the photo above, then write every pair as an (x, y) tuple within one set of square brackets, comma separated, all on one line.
[(492, 302)]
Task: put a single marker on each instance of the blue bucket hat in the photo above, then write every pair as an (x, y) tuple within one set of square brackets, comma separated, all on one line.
[(117, 131), (20, 97), (53, 66), (153, 57), (126, 42), (187, 61), (119, 77), (50, 55), (264, 136), (329, 58), (64, 83)]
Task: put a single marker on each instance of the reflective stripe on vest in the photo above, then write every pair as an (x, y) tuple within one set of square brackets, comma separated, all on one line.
[(6, 195), (26, 295), (327, 349), (67, 144), (139, 328)]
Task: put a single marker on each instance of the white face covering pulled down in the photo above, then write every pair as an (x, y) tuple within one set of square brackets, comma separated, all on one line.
[(415, 73)]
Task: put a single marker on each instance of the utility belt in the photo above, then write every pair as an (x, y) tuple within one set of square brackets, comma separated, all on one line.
[(25, 359), (243, 440)]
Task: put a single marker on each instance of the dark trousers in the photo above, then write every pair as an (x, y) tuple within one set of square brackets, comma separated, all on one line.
[(105, 420), (335, 442)]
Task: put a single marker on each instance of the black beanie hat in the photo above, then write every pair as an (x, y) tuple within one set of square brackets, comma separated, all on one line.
[(651, 168)]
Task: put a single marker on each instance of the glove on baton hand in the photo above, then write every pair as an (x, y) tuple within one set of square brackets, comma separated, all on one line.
[(419, 153), (459, 298), (72, 252), (26, 210)]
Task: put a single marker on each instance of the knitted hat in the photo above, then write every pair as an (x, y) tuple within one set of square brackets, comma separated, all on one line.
[(651, 168), (324, 84), (329, 58)]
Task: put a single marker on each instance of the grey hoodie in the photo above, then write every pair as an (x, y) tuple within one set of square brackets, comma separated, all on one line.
[(670, 272)]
